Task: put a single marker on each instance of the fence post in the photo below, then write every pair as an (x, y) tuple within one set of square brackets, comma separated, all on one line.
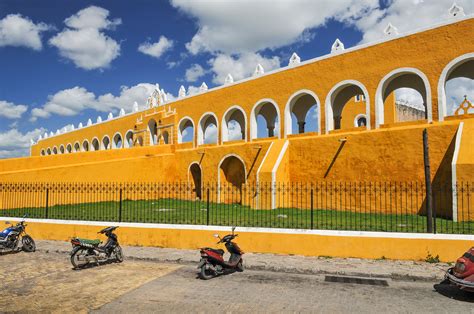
[(312, 210), (47, 204), (207, 207), (120, 207), (429, 191)]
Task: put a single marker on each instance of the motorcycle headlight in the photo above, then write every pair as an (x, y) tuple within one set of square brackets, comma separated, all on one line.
[(459, 267)]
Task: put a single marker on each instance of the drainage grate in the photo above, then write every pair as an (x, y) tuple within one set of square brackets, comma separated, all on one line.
[(359, 281)]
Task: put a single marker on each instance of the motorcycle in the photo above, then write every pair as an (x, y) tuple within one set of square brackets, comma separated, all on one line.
[(11, 236), (85, 251), (212, 262), (462, 274)]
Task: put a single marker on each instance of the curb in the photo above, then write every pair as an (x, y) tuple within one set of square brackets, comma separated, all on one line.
[(287, 270)]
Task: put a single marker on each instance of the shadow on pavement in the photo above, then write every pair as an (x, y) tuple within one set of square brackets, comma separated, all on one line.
[(454, 292), (93, 265)]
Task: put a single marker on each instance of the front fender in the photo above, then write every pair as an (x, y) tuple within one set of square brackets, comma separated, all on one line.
[(75, 249), (202, 263)]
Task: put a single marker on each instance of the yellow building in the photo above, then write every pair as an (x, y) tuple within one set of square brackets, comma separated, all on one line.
[(359, 133)]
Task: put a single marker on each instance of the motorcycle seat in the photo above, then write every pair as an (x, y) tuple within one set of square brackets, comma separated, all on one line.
[(218, 251), (95, 242)]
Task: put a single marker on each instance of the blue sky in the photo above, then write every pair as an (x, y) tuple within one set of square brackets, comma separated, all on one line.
[(64, 61)]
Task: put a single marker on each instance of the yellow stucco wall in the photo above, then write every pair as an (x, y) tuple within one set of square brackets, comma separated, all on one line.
[(411, 247)]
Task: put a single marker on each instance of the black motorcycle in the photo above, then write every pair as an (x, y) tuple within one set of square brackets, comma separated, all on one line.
[(11, 236), (85, 251)]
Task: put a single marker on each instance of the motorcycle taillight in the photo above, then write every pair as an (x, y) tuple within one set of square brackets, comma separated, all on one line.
[(459, 268)]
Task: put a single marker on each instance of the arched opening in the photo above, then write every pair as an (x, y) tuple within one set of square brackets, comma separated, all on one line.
[(234, 124), (207, 131), (85, 146), (302, 113), (456, 82), (360, 120), (61, 149), (185, 130), (106, 143), (69, 148), (165, 137), (153, 131), (196, 180), (403, 95), (117, 141), (48, 151), (95, 144), (344, 102), (128, 139), (42, 152), (231, 178), (140, 140), (55, 150), (265, 120), (77, 147)]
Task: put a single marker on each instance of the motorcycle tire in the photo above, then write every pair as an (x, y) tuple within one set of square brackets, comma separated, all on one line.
[(240, 266), (118, 254), (206, 274), (28, 244), (76, 263)]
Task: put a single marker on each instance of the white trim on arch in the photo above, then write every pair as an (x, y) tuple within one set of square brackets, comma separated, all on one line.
[(379, 102), (126, 144), (74, 149), (180, 135), (200, 133), (102, 146), (253, 118), (219, 172), (224, 128), (328, 104), (442, 106), (288, 118), (113, 145), (92, 148)]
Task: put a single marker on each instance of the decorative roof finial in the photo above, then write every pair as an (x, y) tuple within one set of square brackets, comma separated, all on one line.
[(295, 59), (337, 46), (258, 70), (135, 106), (122, 112), (89, 122), (51, 134), (182, 92), (80, 126), (32, 142), (45, 135), (40, 137), (229, 79), (456, 10), (72, 127), (163, 96), (390, 30), (110, 116), (99, 119), (203, 87)]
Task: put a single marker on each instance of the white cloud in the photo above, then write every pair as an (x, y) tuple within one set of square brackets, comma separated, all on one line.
[(193, 90), (240, 66), (410, 96), (235, 132), (194, 73), (407, 15), (19, 31), (13, 143), (10, 110), (156, 49), (84, 43), (248, 25), (210, 134)]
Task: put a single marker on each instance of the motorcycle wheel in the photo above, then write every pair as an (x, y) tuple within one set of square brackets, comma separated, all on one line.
[(206, 274), (118, 254), (240, 266), (76, 256), (28, 244)]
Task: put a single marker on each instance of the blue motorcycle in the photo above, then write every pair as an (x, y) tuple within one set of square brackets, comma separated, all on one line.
[(11, 237)]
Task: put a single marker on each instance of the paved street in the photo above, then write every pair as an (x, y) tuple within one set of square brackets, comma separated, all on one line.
[(46, 282)]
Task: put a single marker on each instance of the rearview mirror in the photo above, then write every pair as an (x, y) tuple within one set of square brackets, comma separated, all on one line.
[(216, 235), (233, 228)]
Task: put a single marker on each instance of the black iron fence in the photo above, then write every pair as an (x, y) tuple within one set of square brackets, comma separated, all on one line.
[(359, 206)]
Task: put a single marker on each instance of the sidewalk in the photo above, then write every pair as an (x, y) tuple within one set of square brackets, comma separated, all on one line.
[(392, 269)]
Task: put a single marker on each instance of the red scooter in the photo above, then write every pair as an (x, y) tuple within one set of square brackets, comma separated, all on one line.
[(212, 262), (462, 274)]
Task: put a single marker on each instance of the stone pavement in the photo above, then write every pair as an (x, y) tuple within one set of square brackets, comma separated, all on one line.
[(392, 269)]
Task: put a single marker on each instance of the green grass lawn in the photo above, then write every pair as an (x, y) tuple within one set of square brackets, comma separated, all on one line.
[(172, 211)]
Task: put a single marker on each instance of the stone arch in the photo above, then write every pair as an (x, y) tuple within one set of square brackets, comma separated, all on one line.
[(195, 179), (95, 146), (205, 121), (185, 123), (85, 146), (153, 131), (300, 104), (43, 152), (338, 96), (117, 141), (232, 174), (402, 78), (237, 114), (360, 120), (106, 142), (77, 147), (165, 135), (48, 151), (55, 150), (69, 148), (128, 141), (61, 149), (453, 70), (269, 110)]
